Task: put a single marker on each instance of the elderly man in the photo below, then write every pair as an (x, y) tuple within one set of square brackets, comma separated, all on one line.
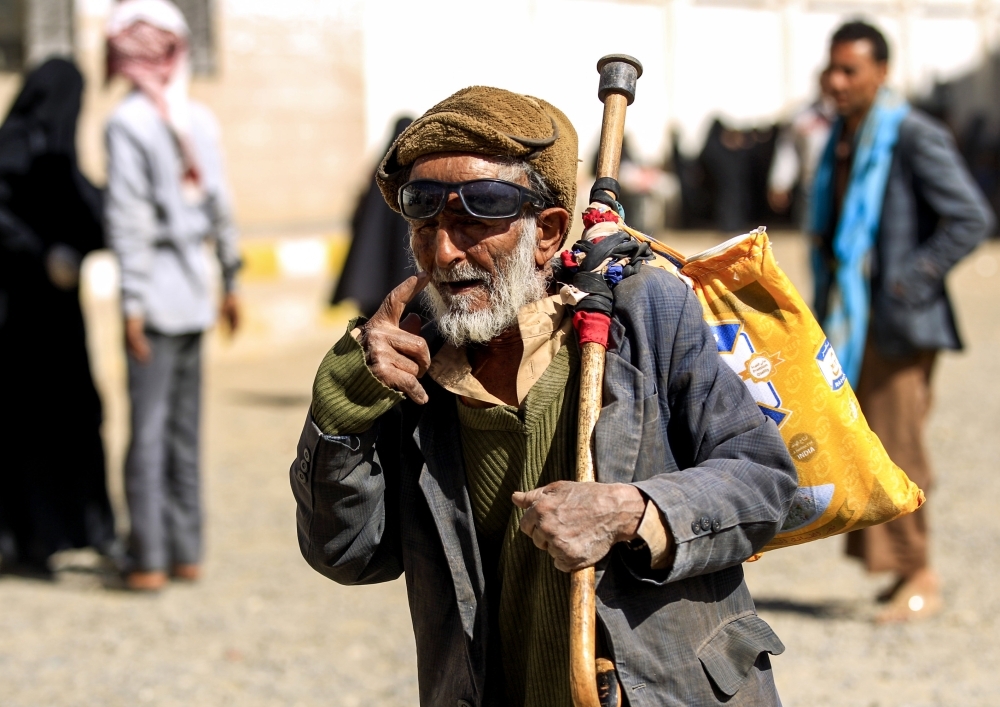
[(443, 453)]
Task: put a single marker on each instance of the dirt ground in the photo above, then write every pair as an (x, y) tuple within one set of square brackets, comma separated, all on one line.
[(263, 629)]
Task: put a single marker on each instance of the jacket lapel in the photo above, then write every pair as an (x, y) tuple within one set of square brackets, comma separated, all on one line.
[(442, 481)]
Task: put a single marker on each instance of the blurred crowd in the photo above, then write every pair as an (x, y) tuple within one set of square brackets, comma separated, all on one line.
[(743, 177)]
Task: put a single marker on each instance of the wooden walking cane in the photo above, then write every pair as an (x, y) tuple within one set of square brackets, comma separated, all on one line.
[(619, 73)]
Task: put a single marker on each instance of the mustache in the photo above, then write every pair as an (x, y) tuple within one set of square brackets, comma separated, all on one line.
[(461, 272)]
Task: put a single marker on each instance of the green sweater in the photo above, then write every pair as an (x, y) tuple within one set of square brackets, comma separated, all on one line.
[(505, 449)]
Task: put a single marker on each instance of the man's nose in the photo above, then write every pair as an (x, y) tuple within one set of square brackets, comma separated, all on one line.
[(447, 251), (448, 248)]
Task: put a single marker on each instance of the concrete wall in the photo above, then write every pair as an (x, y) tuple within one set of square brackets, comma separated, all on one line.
[(288, 92)]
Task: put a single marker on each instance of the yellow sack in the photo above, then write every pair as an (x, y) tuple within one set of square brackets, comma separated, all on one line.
[(769, 337)]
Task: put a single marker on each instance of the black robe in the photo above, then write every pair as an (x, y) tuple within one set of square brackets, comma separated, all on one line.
[(377, 260), (52, 468)]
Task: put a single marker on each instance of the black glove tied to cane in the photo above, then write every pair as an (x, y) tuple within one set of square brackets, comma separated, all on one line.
[(587, 278)]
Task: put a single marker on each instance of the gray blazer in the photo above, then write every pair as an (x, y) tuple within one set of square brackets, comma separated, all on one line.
[(676, 423), (933, 216)]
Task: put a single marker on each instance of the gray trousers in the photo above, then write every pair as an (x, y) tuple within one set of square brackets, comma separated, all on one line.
[(161, 468)]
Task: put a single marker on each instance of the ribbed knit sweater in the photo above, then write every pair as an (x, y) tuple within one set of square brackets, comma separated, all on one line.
[(505, 450), (347, 397)]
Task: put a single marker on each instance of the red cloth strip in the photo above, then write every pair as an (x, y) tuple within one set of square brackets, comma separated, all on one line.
[(592, 327), (593, 216)]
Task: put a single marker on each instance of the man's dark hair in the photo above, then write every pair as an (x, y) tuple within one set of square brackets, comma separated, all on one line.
[(857, 30)]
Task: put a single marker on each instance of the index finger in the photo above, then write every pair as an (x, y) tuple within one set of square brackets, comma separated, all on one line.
[(525, 499), (395, 304)]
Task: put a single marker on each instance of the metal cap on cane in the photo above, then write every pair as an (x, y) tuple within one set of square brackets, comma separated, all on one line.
[(619, 72)]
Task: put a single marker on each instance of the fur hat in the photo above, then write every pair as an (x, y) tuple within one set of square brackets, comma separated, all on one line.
[(494, 122)]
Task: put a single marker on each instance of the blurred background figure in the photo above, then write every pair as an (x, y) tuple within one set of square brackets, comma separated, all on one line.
[(166, 196), (650, 194), (725, 186), (797, 153), (376, 261), (49, 219), (894, 209), (736, 162), (970, 106)]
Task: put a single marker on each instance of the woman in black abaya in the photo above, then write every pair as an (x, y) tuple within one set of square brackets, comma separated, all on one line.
[(377, 260), (52, 477)]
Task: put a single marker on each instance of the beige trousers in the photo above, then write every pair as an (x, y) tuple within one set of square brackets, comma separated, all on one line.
[(895, 396)]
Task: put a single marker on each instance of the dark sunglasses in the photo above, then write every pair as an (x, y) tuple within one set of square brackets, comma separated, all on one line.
[(482, 198)]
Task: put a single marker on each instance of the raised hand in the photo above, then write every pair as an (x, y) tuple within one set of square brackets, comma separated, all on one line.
[(395, 352)]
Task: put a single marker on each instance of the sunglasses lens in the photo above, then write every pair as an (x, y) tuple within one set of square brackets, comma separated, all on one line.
[(488, 199), (422, 199)]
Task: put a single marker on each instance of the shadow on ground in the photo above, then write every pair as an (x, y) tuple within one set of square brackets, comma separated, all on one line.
[(835, 610)]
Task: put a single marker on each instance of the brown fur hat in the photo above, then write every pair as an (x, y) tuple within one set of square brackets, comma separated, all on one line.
[(489, 121)]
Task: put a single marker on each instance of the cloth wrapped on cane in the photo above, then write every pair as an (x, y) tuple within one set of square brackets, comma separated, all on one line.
[(768, 336)]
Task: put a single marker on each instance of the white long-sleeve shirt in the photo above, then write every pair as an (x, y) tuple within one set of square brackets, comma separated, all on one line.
[(800, 147), (157, 233)]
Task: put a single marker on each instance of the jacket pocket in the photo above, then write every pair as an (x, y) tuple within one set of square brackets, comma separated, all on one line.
[(728, 655)]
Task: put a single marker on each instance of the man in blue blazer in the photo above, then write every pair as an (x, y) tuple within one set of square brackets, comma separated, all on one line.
[(894, 209)]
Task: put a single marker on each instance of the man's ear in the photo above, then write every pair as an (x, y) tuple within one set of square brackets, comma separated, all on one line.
[(883, 71), (551, 225)]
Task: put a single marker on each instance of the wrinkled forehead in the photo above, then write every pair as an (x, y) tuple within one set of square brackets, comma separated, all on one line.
[(464, 167)]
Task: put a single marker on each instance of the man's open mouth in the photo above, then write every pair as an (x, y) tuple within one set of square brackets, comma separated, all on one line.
[(461, 287)]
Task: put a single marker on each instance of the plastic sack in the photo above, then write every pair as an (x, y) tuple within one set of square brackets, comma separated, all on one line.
[(769, 337)]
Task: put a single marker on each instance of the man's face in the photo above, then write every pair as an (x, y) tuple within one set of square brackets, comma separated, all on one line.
[(854, 77), (454, 237), (482, 270)]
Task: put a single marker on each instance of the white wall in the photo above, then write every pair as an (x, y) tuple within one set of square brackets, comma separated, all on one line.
[(417, 53), (750, 61)]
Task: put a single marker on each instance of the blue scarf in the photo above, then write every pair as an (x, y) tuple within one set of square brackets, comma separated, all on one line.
[(848, 287)]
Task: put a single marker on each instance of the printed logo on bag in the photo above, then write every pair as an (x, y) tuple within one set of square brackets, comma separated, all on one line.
[(803, 447), (755, 368), (760, 367), (828, 363)]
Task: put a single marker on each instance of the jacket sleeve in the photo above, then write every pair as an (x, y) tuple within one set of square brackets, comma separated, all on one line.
[(130, 216), (736, 480), (346, 526), (965, 219)]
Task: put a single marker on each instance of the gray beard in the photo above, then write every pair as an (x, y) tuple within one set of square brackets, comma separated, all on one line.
[(517, 282)]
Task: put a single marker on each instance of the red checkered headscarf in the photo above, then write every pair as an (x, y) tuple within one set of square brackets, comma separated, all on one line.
[(148, 46)]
